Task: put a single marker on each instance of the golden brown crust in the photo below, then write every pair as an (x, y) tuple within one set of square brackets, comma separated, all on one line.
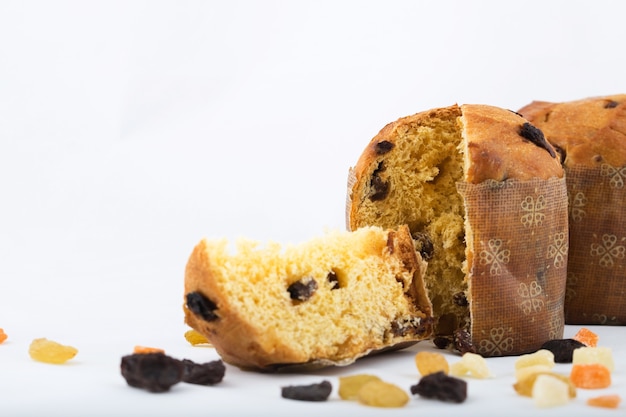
[(590, 131)]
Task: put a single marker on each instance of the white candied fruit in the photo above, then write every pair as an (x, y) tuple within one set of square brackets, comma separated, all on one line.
[(471, 364), (526, 371), (549, 391), (540, 357), (590, 355)]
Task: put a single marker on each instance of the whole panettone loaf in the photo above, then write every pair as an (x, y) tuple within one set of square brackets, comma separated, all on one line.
[(327, 301), (590, 136), (484, 196)]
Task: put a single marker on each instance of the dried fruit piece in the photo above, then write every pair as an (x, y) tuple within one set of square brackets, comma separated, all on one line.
[(590, 375), (525, 372), (562, 349), (441, 387), (549, 391), (601, 355), (3, 335), (605, 401), (586, 337), (303, 289), (382, 394), (196, 338), (312, 392), (349, 386), (155, 372), (202, 306), (471, 364), (431, 362), (147, 349), (209, 373), (541, 357), (48, 351), (525, 386)]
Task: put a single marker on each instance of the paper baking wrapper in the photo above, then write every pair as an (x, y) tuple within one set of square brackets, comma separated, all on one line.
[(596, 281), (517, 263)]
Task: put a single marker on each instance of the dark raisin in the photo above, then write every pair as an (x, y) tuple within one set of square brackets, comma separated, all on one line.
[(155, 372), (333, 280), (463, 341), (303, 289), (533, 134), (611, 104), (439, 386), (201, 306), (441, 342), (312, 392), (460, 299), (379, 187), (513, 111), (209, 373), (383, 147), (423, 245), (561, 152), (563, 349)]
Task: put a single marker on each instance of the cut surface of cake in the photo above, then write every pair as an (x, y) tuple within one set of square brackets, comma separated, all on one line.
[(327, 301)]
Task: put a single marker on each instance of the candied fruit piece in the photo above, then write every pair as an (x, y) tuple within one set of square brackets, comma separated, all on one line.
[(48, 351), (563, 349), (549, 391), (471, 364), (209, 373), (525, 372), (196, 338), (590, 375), (440, 386), (3, 335), (155, 372), (431, 362), (605, 401), (147, 349), (586, 337), (350, 385), (601, 355), (540, 357), (525, 386), (313, 392), (382, 394)]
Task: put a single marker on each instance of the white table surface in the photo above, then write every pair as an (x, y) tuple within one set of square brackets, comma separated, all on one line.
[(130, 130)]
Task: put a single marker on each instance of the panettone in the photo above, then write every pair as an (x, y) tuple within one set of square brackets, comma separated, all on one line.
[(590, 136), (484, 196), (327, 301)]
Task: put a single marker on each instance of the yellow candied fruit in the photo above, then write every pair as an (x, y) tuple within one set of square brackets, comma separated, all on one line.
[(196, 338), (3, 335), (605, 401), (540, 357), (147, 349), (382, 394), (471, 364), (431, 362), (48, 351), (586, 337), (350, 385), (601, 355), (525, 386), (590, 376), (525, 372), (549, 391)]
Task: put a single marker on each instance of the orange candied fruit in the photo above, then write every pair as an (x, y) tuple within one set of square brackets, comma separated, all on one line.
[(3, 335), (590, 376), (605, 401), (586, 337), (147, 349)]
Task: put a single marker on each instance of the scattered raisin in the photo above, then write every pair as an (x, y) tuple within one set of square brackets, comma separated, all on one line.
[(431, 362), (209, 373), (383, 147), (460, 299), (201, 306), (463, 341), (312, 392), (533, 134), (423, 245), (333, 280), (440, 386), (378, 393), (303, 289), (349, 386), (563, 349), (611, 104), (196, 338), (48, 351), (155, 372), (379, 188)]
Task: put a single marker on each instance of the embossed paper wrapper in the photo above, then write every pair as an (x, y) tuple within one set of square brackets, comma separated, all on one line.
[(596, 279), (517, 263)]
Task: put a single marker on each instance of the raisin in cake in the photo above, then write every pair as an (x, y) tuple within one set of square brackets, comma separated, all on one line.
[(327, 301), (590, 136), (484, 196)]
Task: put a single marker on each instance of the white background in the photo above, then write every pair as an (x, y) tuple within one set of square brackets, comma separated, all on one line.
[(131, 129)]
